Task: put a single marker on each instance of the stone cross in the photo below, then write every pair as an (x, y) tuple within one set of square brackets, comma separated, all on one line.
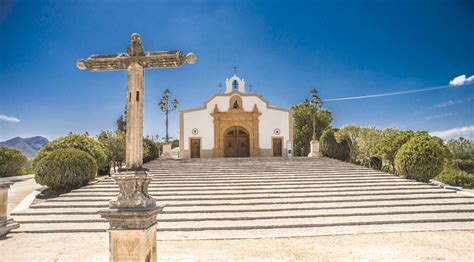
[(132, 215), (135, 61)]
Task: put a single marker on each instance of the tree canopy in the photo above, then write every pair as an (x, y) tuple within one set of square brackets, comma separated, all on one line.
[(303, 126)]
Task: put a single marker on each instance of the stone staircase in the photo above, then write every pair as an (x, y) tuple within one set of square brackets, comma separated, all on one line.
[(266, 197)]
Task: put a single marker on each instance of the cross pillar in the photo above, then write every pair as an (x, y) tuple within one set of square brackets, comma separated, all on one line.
[(132, 215), (134, 139)]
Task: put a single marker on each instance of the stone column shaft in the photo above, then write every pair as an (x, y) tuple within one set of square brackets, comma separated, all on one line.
[(4, 200), (134, 139), (6, 224)]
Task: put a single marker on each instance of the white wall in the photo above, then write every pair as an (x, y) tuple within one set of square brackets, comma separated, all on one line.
[(203, 121)]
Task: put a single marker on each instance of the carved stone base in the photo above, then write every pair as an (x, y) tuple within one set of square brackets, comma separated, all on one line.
[(314, 149), (133, 245), (133, 189), (132, 218)]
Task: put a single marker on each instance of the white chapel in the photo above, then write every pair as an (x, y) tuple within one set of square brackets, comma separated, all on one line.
[(235, 124)]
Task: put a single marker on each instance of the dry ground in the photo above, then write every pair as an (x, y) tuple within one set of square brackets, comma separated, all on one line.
[(407, 246)]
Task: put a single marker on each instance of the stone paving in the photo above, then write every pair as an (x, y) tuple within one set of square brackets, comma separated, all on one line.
[(258, 198)]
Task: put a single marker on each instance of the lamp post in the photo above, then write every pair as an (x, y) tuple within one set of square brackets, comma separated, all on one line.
[(167, 107), (316, 104)]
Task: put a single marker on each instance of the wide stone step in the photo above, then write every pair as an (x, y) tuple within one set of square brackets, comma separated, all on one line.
[(314, 231), (157, 192), (293, 182), (53, 211), (255, 215), (114, 188), (315, 221), (228, 227), (161, 178), (260, 201), (318, 206), (268, 207), (256, 173), (264, 195)]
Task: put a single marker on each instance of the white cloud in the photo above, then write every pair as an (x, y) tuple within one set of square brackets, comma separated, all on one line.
[(445, 104), (461, 80), (9, 119), (438, 116), (465, 131)]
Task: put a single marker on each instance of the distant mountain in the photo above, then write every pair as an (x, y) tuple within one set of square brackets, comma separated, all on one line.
[(28, 146)]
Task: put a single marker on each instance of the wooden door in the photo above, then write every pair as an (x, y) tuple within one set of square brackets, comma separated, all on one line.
[(236, 143), (195, 148), (277, 147)]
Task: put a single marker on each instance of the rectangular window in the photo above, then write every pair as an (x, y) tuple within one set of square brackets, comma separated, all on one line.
[(138, 95)]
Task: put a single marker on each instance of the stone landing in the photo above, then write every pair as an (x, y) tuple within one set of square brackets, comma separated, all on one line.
[(268, 197)]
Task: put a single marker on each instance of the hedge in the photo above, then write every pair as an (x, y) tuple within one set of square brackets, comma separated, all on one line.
[(421, 158), (466, 165), (455, 177), (81, 142), (329, 147), (65, 169), (12, 162)]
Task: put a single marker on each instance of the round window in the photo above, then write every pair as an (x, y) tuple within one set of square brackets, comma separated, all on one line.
[(195, 131), (276, 131)]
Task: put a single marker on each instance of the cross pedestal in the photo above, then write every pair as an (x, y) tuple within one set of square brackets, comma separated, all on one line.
[(132, 215), (132, 218), (314, 149), (6, 224), (167, 150)]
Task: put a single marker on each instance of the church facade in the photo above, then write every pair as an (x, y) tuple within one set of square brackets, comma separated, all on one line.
[(235, 124)]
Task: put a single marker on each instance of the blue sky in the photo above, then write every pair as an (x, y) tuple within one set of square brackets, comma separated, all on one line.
[(283, 48)]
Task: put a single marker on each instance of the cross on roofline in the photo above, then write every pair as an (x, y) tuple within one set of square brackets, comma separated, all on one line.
[(235, 68)]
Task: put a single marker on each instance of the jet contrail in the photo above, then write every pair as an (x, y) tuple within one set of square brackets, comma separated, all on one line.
[(395, 93)]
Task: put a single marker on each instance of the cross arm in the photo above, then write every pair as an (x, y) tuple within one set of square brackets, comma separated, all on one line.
[(162, 59), (105, 62)]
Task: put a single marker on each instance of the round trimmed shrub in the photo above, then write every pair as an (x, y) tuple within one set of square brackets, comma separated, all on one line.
[(421, 158), (66, 169), (12, 162), (329, 147), (150, 150), (81, 142)]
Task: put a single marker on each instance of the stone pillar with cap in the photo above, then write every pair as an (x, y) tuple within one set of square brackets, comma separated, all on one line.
[(6, 224), (314, 145)]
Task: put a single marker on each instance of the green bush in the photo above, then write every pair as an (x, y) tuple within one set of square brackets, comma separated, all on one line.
[(12, 162), (466, 165), (376, 163), (150, 150), (65, 169), (113, 143), (81, 142), (421, 158), (455, 177), (329, 147)]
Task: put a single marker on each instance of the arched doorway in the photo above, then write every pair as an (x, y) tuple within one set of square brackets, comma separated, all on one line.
[(236, 142)]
